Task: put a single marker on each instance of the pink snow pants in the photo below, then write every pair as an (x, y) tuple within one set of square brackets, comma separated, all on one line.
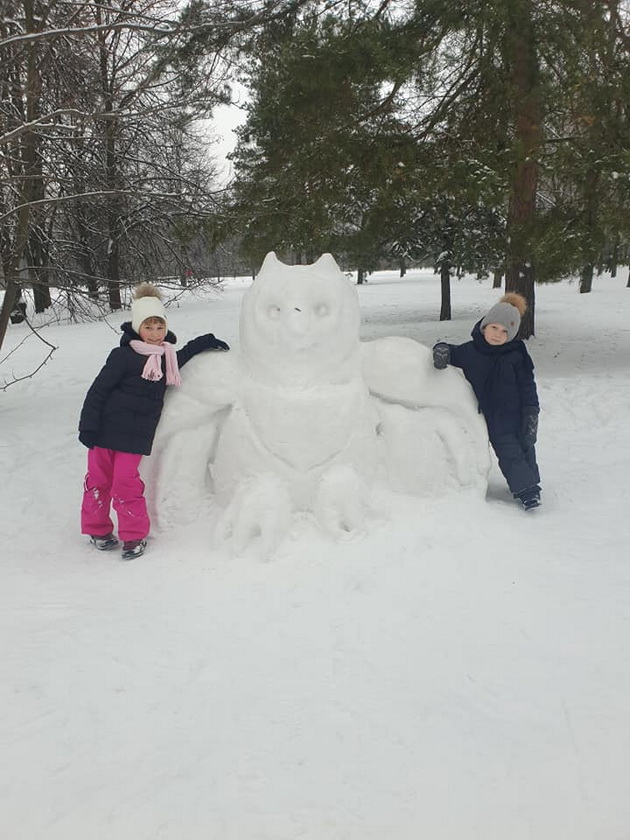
[(113, 478)]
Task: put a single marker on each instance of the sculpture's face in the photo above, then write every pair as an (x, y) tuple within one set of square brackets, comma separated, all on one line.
[(299, 321)]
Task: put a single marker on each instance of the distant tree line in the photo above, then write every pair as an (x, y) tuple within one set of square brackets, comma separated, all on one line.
[(470, 135)]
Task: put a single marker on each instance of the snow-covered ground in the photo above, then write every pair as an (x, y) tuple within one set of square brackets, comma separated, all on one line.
[(460, 672)]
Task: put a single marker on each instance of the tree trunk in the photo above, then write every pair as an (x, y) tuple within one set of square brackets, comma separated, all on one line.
[(521, 51), (10, 297), (590, 221), (361, 275), (41, 296), (38, 273), (85, 256), (497, 279), (12, 271), (110, 128), (586, 279), (18, 313), (445, 284), (403, 267), (113, 245), (614, 257), (13, 264), (37, 251)]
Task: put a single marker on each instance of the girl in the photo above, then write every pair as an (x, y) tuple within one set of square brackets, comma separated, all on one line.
[(119, 418), (501, 373)]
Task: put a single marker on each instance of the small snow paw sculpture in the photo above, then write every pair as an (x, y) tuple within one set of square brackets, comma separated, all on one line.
[(257, 518), (341, 506), (429, 451), (177, 474), (177, 495), (432, 436)]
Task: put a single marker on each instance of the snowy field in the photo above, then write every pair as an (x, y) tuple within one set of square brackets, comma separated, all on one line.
[(459, 672)]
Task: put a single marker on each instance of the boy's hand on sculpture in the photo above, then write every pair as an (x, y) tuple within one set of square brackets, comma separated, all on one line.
[(441, 355), (529, 426)]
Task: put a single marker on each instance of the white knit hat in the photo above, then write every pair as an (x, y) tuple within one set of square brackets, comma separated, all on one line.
[(146, 304)]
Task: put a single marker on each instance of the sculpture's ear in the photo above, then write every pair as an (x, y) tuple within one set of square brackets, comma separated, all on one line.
[(270, 263), (327, 264)]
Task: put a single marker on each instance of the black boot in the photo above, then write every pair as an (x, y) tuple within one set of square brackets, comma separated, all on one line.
[(105, 543), (133, 548), (530, 498)]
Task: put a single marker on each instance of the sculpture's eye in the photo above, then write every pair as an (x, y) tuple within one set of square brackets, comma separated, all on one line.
[(274, 312), (322, 310)]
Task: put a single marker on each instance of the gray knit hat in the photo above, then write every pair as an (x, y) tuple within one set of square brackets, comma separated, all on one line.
[(507, 312)]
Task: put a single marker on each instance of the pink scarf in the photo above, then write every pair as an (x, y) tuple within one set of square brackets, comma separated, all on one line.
[(153, 367)]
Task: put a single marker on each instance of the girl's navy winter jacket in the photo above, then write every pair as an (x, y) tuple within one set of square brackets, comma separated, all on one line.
[(502, 378), (121, 409)]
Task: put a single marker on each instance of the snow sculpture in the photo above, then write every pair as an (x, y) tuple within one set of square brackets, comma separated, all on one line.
[(307, 418)]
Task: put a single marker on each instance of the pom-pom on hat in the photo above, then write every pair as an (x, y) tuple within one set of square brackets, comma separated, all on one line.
[(147, 303), (507, 312)]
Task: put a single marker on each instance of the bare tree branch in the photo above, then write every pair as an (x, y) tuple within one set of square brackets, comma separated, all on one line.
[(45, 361)]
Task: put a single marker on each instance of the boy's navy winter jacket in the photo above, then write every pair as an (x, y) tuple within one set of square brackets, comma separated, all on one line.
[(121, 409), (502, 378)]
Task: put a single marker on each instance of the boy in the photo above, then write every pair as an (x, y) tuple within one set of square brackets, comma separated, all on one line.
[(501, 373)]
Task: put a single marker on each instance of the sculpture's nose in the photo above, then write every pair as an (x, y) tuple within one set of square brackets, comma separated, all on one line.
[(298, 321)]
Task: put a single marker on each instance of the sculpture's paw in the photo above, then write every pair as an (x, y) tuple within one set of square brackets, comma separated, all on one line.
[(341, 503), (432, 451), (177, 477), (176, 473), (257, 518)]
